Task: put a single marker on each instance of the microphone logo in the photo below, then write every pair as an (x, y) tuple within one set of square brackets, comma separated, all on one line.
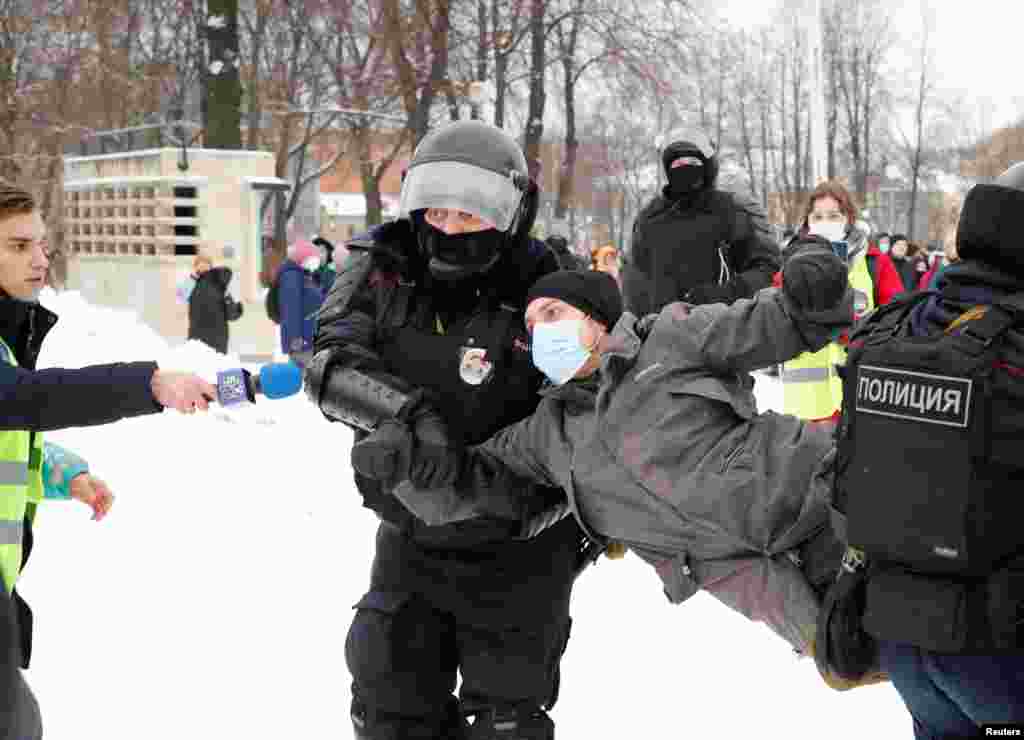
[(231, 387)]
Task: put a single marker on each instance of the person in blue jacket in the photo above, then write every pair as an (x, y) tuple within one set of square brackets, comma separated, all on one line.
[(299, 297), (33, 401)]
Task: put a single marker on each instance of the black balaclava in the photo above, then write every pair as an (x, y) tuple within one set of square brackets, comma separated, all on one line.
[(687, 181), (457, 256)]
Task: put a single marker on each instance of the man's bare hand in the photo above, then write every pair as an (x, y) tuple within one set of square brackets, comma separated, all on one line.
[(186, 392), (94, 493)]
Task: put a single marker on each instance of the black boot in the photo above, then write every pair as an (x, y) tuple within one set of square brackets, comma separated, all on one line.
[(374, 725), (515, 724)]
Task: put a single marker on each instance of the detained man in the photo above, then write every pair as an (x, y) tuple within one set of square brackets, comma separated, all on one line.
[(649, 427)]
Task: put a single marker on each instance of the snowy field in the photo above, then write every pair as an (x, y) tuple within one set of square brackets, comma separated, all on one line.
[(214, 599)]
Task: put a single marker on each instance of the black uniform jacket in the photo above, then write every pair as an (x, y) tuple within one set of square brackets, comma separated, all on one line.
[(466, 348)]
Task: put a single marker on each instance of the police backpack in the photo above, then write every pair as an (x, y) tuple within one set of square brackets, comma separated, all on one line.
[(929, 465)]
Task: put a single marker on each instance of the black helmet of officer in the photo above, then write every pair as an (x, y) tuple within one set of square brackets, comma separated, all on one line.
[(473, 168), (696, 162), (991, 227)]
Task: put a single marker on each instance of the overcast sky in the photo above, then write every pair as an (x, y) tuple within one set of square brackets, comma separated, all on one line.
[(977, 45)]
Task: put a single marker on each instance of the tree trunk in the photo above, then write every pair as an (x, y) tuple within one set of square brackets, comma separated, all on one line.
[(223, 88), (538, 96), (481, 52), (567, 172)]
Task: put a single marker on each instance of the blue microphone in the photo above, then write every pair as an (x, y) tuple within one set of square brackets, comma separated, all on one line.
[(276, 380)]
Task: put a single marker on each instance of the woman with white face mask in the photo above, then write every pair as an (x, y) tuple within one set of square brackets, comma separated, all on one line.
[(811, 386), (650, 427)]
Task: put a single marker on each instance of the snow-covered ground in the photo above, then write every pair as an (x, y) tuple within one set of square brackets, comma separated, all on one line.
[(214, 600)]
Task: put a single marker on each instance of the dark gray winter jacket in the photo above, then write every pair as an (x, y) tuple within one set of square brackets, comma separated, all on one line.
[(714, 249), (667, 454)]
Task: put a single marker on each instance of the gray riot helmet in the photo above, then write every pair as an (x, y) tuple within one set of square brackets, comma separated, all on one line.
[(1013, 177), (477, 168), (991, 227)]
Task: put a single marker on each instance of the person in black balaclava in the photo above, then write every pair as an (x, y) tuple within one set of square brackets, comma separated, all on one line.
[(425, 324), (695, 242)]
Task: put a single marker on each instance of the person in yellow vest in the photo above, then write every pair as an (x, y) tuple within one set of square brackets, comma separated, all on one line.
[(34, 401), (811, 385)]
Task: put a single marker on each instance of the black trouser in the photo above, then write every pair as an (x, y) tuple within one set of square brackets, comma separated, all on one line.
[(404, 653), (19, 715)]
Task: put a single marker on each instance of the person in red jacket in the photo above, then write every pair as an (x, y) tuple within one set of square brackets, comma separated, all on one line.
[(886, 279)]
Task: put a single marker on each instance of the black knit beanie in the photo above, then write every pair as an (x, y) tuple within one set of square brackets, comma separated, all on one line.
[(593, 292)]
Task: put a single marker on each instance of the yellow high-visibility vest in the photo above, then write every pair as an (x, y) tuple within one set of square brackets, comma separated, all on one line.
[(21, 488), (811, 387)]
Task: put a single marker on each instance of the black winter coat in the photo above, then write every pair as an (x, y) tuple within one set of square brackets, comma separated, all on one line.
[(465, 346), (678, 252), (208, 306)]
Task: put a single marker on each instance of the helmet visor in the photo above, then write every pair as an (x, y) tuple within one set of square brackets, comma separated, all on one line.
[(461, 187)]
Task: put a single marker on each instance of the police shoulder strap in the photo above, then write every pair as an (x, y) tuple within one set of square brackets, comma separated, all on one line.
[(982, 325)]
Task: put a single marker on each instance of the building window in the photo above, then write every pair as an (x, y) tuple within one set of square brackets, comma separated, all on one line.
[(185, 207)]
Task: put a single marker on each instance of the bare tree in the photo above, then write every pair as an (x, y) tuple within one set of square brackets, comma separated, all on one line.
[(417, 40), (366, 84), (924, 91), (861, 51)]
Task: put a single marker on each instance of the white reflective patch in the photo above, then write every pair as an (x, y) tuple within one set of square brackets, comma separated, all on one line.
[(904, 394)]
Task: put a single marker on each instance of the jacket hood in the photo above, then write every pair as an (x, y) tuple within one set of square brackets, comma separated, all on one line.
[(960, 286), (219, 276)]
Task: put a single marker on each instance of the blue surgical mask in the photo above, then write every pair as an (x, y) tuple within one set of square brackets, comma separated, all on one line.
[(558, 351)]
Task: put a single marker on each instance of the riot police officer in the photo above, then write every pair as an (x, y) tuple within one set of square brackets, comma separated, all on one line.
[(929, 475), (425, 323)]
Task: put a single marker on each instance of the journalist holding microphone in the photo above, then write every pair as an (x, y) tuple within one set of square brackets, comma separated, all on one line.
[(33, 401)]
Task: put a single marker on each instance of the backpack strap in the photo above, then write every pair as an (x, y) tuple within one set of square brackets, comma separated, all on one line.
[(884, 322)]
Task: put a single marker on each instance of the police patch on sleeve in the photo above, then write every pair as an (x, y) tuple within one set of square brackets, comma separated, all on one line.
[(934, 399), (474, 367)]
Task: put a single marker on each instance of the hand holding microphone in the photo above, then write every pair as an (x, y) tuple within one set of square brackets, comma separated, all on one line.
[(187, 392)]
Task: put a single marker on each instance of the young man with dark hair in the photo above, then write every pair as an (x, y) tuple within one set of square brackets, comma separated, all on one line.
[(33, 401)]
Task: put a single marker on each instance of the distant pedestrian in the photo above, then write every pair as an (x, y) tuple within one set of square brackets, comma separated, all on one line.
[(299, 299), (210, 306)]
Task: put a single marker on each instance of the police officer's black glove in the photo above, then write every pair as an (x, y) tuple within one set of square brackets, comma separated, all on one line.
[(418, 450), (385, 454), (706, 293), (436, 459), (813, 277)]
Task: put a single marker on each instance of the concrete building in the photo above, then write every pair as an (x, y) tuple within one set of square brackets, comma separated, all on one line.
[(134, 220)]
